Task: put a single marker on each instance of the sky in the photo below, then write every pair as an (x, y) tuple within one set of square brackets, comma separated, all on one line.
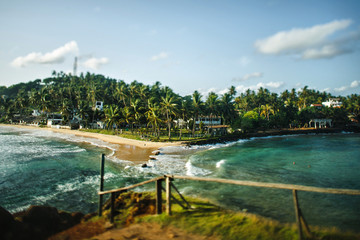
[(187, 45)]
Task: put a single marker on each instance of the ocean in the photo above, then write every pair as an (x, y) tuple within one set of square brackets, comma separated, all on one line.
[(39, 167)]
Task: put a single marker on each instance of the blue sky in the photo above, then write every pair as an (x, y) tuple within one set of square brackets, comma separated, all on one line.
[(187, 45)]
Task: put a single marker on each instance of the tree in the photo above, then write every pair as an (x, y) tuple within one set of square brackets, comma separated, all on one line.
[(249, 121), (169, 107), (212, 104), (153, 116), (197, 107), (112, 116), (266, 110), (127, 117), (184, 111)]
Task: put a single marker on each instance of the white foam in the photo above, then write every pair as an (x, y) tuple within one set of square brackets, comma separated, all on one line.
[(192, 170), (219, 163)]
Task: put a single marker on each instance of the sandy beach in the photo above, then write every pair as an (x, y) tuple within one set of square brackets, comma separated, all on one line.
[(127, 149)]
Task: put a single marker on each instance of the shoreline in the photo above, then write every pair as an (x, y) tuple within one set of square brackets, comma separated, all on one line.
[(140, 152), (269, 133), (126, 149)]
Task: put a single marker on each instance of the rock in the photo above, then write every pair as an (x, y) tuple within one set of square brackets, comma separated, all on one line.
[(6, 219), (144, 165), (77, 217), (7, 223), (152, 158), (157, 153)]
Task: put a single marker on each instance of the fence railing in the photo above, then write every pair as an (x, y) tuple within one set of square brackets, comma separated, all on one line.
[(300, 220)]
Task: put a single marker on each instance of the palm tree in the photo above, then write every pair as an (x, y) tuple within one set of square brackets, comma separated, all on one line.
[(121, 91), (197, 107), (127, 117), (184, 111), (169, 107), (226, 107), (136, 110), (303, 97), (153, 116), (266, 110), (212, 104), (112, 116), (232, 91)]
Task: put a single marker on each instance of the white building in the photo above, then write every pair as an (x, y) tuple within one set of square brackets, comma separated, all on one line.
[(320, 123), (99, 105), (36, 113), (54, 119), (333, 102), (208, 121)]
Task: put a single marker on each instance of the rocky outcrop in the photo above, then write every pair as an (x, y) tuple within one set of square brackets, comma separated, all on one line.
[(37, 222)]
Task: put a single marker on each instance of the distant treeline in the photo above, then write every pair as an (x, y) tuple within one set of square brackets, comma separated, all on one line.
[(156, 107)]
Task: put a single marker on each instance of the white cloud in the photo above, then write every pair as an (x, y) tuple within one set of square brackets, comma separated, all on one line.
[(341, 89), (327, 51), (95, 63), (354, 84), (159, 56), (249, 76), (269, 85), (56, 56), (325, 90), (310, 43), (243, 88), (205, 92)]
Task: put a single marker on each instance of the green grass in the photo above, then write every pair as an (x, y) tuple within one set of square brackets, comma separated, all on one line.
[(162, 138), (208, 220)]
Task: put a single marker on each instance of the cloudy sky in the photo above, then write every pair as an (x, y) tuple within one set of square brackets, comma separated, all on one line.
[(188, 45)]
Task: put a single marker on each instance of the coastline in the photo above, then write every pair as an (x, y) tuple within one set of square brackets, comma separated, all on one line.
[(127, 149), (269, 133), (139, 152)]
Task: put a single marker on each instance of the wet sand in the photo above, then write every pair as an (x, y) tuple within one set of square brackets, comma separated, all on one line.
[(127, 149)]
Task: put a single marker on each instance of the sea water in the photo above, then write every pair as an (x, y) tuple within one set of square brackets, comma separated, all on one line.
[(47, 168)]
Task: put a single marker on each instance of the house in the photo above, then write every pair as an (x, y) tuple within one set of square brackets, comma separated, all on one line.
[(333, 102), (36, 113), (208, 121), (320, 123), (54, 119), (316, 105), (218, 130), (99, 105)]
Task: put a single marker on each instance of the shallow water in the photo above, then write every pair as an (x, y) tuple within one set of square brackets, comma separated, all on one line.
[(42, 167)]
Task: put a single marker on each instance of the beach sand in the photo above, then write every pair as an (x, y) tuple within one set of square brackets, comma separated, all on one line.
[(127, 149)]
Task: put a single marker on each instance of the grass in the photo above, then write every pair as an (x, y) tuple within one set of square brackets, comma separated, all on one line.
[(204, 218), (208, 220), (162, 138)]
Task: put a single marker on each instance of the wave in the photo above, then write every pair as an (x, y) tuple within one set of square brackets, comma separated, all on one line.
[(192, 170), (219, 163), (38, 136)]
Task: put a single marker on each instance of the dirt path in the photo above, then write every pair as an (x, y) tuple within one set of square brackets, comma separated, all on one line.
[(149, 231)]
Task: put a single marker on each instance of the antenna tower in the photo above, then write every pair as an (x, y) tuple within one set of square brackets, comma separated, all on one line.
[(75, 66)]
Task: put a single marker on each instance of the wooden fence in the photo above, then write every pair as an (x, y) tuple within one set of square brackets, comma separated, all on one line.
[(300, 220)]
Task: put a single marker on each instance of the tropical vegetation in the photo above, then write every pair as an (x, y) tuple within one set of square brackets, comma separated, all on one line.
[(158, 111)]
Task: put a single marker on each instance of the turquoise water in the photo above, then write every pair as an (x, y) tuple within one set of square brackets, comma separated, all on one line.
[(42, 167), (331, 161)]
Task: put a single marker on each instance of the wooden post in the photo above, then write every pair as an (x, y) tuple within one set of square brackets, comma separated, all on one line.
[(181, 196), (158, 189), (112, 207), (297, 214), (168, 196), (102, 165)]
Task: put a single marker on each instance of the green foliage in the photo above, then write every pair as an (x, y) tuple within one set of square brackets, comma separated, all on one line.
[(249, 121), (209, 220), (151, 109)]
